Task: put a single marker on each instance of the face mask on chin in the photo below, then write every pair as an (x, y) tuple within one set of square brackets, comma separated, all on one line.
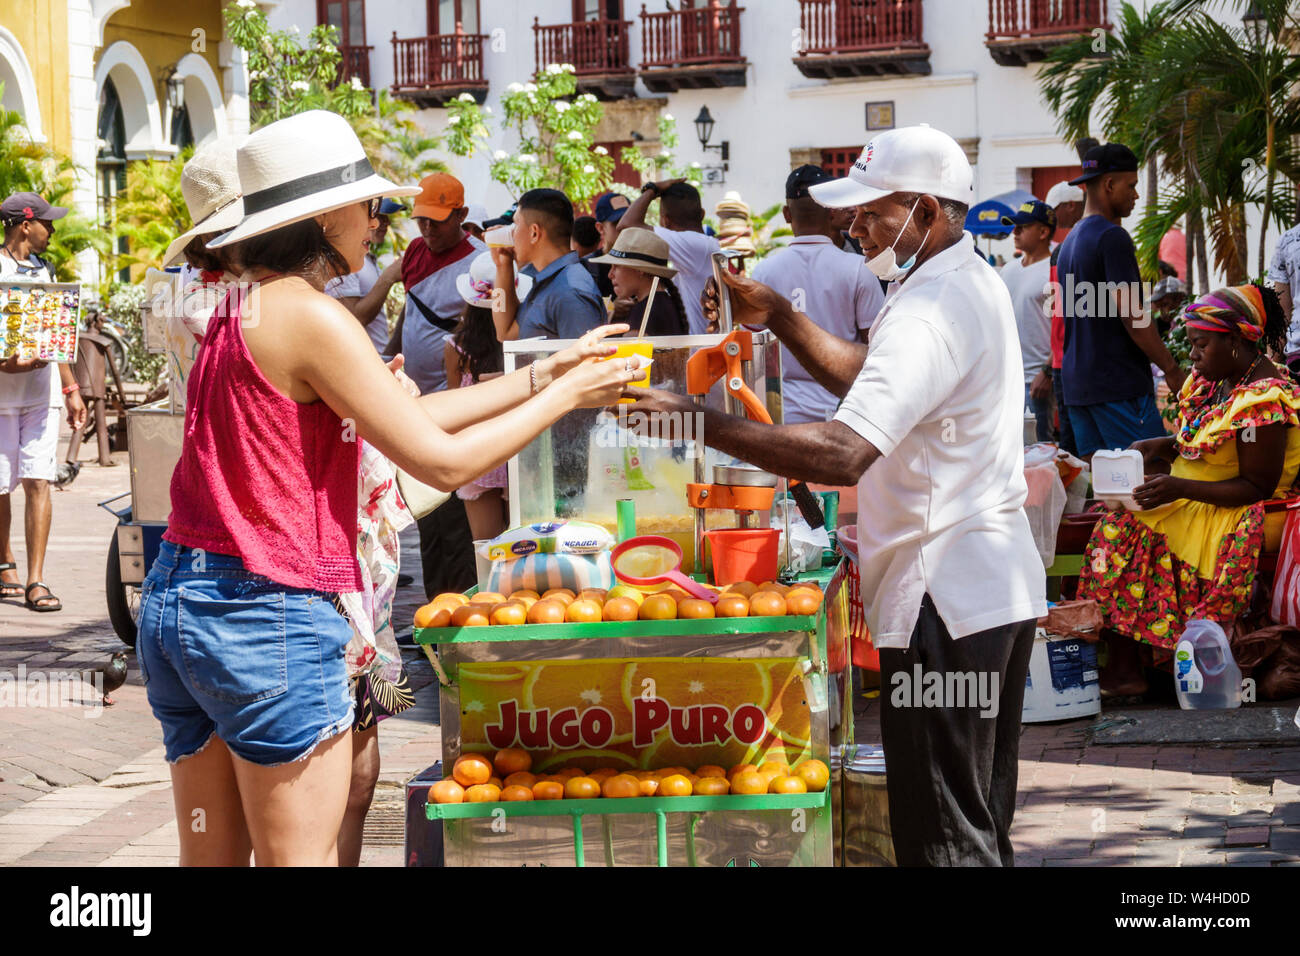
[(886, 265)]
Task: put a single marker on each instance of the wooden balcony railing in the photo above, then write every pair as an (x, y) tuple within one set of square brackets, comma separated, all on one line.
[(592, 46), (444, 60), (690, 37), (851, 26), (1011, 19), (355, 62)]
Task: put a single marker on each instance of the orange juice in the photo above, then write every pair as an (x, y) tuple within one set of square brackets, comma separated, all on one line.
[(627, 350)]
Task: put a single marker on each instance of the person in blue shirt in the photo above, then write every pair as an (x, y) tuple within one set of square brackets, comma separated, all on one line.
[(1110, 343), (564, 302)]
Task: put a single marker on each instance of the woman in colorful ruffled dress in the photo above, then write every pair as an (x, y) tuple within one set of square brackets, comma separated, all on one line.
[(1192, 550)]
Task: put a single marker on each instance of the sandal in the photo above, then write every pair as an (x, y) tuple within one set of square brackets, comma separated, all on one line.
[(34, 605), (10, 589)]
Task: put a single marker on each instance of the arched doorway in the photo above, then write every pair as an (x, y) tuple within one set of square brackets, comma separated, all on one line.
[(19, 85)]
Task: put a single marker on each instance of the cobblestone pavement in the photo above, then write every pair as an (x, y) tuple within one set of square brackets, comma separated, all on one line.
[(87, 786)]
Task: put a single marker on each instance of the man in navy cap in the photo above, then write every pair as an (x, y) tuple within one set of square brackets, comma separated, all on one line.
[(31, 404), (1110, 344), (1028, 279)]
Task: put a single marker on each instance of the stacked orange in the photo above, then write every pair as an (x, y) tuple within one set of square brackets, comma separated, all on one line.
[(620, 603), (476, 778)]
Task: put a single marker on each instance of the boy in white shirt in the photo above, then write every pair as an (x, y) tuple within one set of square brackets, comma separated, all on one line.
[(1028, 279)]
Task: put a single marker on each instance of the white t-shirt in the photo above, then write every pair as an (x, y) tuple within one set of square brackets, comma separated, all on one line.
[(1285, 268), (39, 387), (1029, 287), (942, 511), (356, 285), (836, 290), (689, 253)]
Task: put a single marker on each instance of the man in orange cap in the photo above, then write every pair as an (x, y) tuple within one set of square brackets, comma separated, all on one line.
[(430, 267)]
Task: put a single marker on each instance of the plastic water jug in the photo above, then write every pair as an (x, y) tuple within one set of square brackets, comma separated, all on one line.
[(1206, 676)]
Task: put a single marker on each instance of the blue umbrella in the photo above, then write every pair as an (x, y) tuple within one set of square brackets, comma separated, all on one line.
[(985, 218)]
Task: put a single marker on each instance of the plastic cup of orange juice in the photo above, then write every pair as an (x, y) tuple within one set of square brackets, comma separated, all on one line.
[(628, 349), (500, 237)]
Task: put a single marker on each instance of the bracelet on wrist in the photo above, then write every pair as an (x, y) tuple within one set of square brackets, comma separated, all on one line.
[(74, 387), (532, 378)]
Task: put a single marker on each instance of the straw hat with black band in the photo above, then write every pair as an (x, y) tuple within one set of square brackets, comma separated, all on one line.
[(642, 250), (300, 167)]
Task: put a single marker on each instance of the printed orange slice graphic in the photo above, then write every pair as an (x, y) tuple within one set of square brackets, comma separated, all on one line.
[(581, 684), (789, 716), (684, 683), (483, 687)]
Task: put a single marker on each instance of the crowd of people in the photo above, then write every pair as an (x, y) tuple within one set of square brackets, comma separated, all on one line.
[(310, 426)]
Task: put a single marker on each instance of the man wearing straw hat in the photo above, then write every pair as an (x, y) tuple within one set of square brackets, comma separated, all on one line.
[(930, 430)]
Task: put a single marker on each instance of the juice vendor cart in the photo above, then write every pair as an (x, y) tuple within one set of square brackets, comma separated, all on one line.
[(645, 694)]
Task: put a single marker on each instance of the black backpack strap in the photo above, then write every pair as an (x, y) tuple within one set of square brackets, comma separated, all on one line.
[(447, 325)]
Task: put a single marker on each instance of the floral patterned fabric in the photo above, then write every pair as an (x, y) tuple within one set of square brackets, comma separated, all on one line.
[(1151, 571), (381, 515)]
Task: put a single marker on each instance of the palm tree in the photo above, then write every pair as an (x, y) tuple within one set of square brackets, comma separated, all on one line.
[(28, 166), (151, 212)]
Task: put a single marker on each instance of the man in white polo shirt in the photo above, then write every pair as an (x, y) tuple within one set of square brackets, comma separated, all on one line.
[(930, 429), (832, 287)]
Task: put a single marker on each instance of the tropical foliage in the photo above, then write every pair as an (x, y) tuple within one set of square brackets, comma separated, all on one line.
[(27, 166), (1208, 104)]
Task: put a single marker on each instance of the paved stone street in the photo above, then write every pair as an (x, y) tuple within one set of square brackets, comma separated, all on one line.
[(89, 787)]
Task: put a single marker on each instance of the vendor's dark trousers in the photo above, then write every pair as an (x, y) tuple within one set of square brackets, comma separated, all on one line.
[(447, 549), (951, 772)]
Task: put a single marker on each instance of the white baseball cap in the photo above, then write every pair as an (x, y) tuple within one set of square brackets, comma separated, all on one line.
[(1063, 192), (913, 159)]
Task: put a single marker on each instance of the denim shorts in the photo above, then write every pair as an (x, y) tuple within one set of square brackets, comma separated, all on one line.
[(228, 652)]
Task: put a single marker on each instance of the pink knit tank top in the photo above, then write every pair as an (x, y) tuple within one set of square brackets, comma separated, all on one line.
[(262, 477)]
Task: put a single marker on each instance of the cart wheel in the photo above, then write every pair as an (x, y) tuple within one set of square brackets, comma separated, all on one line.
[(123, 599)]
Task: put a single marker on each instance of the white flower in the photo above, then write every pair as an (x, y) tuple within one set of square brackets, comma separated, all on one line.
[(601, 151), (530, 87), (302, 85), (500, 154), (669, 117), (527, 158), (574, 136), (568, 68), (487, 110), (561, 106), (453, 120), (246, 4), (293, 28), (589, 169), (514, 88), (695, 165), (356, 83), (466, 98), (553, 68), (589, 97)]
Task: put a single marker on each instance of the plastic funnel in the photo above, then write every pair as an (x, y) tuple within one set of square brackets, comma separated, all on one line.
[(653, 559)]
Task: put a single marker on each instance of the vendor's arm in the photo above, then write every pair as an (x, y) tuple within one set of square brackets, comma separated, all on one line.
[(828, 453), (413, 434), (909, 373), (1260, 454), (832, 361), (72, 396)]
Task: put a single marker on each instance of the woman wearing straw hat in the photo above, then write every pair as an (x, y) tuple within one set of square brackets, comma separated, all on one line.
[(241, 645), (638, 265)]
